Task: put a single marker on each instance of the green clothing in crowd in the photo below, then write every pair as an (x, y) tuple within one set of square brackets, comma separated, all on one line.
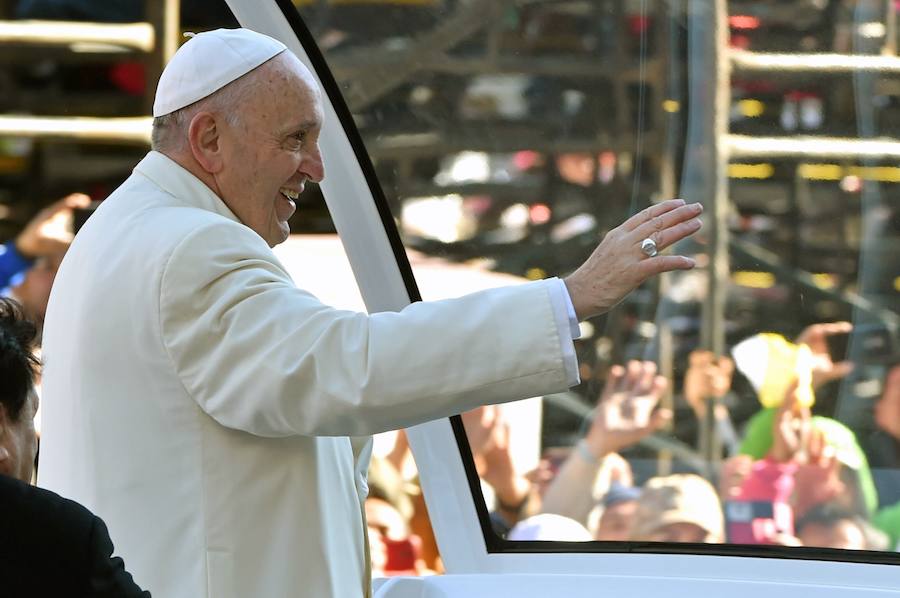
[(758, 440)]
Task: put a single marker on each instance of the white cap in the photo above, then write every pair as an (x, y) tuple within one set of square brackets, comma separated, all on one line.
[(208, 62), (549, 526)]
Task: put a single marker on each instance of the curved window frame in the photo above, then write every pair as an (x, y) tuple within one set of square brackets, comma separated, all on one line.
[(450, 484)]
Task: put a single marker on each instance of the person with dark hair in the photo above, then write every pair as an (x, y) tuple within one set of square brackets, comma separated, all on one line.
[(18, 401), (619, 509), (830, 525), (49, 546)]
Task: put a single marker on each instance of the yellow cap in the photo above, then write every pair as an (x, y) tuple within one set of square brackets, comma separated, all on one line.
[(772, 364)]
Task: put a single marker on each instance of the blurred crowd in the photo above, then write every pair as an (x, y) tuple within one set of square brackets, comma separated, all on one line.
[(786, 476)]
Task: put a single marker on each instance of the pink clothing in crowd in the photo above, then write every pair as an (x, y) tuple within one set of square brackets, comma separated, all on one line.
[(762, 509)]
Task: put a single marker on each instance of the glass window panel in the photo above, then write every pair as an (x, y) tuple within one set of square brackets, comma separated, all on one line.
[(509, 137)]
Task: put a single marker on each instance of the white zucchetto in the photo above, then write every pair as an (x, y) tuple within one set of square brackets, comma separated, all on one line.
[(208, 62)]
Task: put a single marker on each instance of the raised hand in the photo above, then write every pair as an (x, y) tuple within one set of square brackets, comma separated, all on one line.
[(706, 377), (618, 265), (488, 436), (50, 231), (479, 424), (627, 409), (791, 429), (819, 479), (816, 338), (500, 471)]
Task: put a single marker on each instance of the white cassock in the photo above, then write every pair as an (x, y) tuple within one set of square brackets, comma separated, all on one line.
[(202, 404)]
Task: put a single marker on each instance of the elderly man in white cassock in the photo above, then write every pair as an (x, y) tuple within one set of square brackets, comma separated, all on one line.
[(203, 404)]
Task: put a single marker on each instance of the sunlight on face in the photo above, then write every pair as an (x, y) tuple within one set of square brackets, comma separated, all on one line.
[(615, 523), (18, 441), (680, 532), (272, 150), (843, 534)]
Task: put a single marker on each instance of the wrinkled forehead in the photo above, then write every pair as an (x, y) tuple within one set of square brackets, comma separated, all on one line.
[(290, 67), (288, 90), (291, 60)]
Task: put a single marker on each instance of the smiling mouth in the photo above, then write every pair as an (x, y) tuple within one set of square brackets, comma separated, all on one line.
[(290, 194)]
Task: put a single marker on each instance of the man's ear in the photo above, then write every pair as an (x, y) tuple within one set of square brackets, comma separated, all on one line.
[(204, 140)]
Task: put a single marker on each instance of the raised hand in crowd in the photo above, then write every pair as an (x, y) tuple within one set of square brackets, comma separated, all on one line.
[(542, 475), (791, 429), (707, 377), (479, 424), (488, 436), (627, 410), (818, 479), (50, 231), (400, 452), (816, 338), (513, 491)]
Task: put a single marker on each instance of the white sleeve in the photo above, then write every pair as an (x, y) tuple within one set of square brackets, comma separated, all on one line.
[(567, 323), (258, 354)]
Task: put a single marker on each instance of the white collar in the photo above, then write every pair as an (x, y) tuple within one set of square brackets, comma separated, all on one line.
[(186, 188)]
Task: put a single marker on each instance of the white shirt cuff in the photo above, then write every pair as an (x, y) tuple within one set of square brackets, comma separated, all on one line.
[(567, 325)]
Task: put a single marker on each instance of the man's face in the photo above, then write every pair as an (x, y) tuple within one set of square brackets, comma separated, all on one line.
[(615, 523), (887, 409), (273, 149), (680, 532), (843, 534), (18, 441)]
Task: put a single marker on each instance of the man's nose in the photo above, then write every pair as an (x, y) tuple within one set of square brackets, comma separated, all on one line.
[(313, 166)]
